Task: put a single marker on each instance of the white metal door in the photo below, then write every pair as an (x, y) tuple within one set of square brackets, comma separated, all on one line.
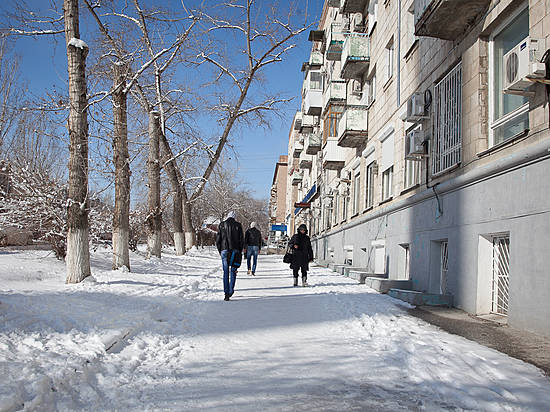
[(501, 274), (444, 267)]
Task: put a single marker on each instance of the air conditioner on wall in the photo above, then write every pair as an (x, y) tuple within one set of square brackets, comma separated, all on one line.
[(415, 144), (416, 108), (521, 64), (356, 87)]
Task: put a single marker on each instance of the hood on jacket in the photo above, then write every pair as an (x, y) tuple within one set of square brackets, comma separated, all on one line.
[(302, 226), (230, 215), (253, 224)]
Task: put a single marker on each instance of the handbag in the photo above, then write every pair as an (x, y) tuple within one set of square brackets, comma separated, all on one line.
[(287, 258)]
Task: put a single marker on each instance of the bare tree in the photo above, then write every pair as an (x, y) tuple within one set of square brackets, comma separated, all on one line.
[(78, 253), (154, 217), (263, 42)]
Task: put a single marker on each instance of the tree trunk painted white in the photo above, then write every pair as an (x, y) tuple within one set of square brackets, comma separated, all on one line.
[(154, 218), (78, 248), (190, 240), (174, 177), (121, 216)]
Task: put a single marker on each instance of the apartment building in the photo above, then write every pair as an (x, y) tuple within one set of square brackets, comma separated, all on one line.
[(421, 149), (277, 199)]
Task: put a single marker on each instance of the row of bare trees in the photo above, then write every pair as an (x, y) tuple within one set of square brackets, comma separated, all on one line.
[(179, 82)]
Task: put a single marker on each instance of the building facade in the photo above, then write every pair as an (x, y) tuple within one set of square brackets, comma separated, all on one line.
[(422, 148), (277, 200)]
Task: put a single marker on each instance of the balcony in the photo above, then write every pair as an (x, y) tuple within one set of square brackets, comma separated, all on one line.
[(446, 19), (334, 156), (355, 56), (305, 161), (296, 178), (352, 127), (297, 121), (335, 42), (353, 6), (312, 143), (316, 58), (297, 147), (335, 93), (308, 123)]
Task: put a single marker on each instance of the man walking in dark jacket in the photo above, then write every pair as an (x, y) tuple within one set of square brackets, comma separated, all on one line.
[(252, 246), (229, 242)]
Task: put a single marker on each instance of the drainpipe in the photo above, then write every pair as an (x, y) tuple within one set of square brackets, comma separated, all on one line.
[(399, 54)]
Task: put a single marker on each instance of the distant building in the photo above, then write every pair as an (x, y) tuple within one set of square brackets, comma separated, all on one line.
[(277, 200), (422, 147)]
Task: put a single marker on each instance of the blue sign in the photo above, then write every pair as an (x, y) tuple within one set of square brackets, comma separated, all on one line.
[(307, 197), (278, 228)]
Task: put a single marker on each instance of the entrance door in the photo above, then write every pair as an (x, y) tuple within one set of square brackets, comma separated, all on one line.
[(501, 275)]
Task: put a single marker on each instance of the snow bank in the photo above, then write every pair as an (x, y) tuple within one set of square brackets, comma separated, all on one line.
[(161, 338)]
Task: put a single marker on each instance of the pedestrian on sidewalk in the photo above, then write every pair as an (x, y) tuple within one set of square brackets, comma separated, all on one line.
[(302, 255), (252, 246), (229, 242)]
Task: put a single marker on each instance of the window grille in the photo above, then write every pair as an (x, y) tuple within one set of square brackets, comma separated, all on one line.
[(447, 141), (444, 267), (501, 274)]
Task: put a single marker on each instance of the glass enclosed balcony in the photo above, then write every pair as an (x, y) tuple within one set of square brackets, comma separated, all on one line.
[(446, 19), (335, 42), (297, 147), (352, 127), (335, 93), (312, 143), (296, 177), (305, 161), (297, 121), (355, 56)]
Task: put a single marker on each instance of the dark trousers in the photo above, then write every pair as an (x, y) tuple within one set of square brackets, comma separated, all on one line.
[(295, 273)]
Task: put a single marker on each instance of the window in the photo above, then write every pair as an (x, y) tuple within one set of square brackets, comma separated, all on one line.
[(315, 81), (369, 185), (331, 123), (410, 37), (344, 208), (412, 173), (336, 209), (389, 60), (356, 191), (371, 89), (373, 15), (387, 184), (509, 113), (447, 141)]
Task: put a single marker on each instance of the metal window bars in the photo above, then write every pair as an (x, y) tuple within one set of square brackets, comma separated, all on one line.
[(501, 275), (447, 139)]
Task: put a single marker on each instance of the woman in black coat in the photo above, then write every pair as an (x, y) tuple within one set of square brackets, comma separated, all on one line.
[(303, 254)]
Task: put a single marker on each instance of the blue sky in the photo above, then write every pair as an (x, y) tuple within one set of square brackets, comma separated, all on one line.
[(43, 64)]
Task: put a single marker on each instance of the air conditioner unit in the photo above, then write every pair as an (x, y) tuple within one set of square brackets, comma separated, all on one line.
[(416, 108), (521, 64), (358, 25), (356, 87), (415, 144)]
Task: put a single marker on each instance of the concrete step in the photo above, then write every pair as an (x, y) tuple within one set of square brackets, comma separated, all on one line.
[(383, 285), (361, 274), (420, 298), (321, 263), (349, 269)]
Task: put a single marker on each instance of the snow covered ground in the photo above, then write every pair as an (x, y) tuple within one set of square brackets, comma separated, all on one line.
[(162, 338)]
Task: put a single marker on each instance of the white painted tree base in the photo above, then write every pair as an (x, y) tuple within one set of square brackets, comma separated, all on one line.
[(154, 245), (78, 255), (121, 253), (179, 243), (189, 240)]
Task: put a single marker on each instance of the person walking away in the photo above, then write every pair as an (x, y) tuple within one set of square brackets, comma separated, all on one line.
[(252, 246), (229, 242), (303, 254)]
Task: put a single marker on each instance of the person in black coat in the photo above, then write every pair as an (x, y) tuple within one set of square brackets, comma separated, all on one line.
[(302, 255), (230, 242), (252, 246)]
